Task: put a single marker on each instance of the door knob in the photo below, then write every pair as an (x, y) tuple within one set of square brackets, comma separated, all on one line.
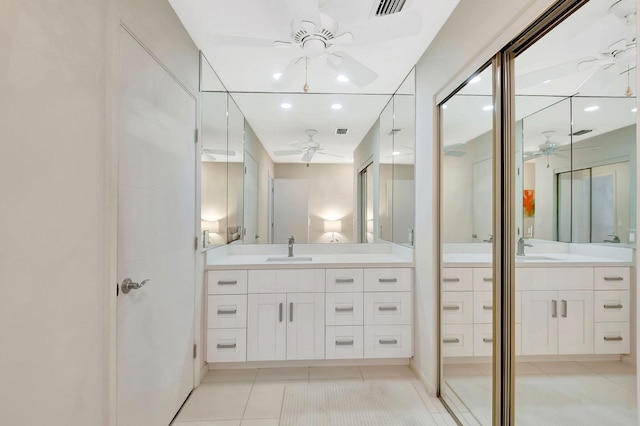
[(128, 285)]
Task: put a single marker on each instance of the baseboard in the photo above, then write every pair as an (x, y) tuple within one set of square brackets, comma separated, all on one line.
[(308, 363), (204, 369), (533, 358)]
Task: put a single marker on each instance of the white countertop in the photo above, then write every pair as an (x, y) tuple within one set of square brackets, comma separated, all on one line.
[(533, 260)]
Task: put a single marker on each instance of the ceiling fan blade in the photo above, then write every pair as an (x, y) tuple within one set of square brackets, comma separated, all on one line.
[(288, 74), (403, 24), (207, 157), (307, 156), (355, 71), (593, 73), (333, 155), (601, 33), (229, 40), (287, 152), (218, 151), (455, 146), (279, 43), (305, 10), (551, 73), (454, 153), (344, 38)]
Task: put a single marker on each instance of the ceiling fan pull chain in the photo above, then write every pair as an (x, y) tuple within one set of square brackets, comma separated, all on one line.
[(306, 77)]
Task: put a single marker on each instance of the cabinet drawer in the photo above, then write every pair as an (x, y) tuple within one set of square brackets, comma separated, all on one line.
[(611, 278), (226, 345), (344, 309), (456, 279), (387, 279), (227, 311), (482, 307), (457, 307), (538, 279), (344, 280), (457, 340), (286, 281), (483, 339), (344, 342), (227, 282), (387, 308), (612, 338), (482, 279), (387, 341), (611, 306)]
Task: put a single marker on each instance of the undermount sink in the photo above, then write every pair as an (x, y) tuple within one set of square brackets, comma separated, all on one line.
[(290, 259), (534, 258)]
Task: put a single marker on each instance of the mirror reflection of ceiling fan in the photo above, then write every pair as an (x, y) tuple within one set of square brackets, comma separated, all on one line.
[(208, 153), (549, 148), (308, 149), (316, 34), (455, 150)]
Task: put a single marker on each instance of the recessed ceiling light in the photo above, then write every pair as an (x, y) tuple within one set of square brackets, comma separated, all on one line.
[(634, 110), (336, 106), (475, 79), (285, 105), (277, 76), (487, 108), (343, 79), (444, 106), (591, 108), (396, 153), (546, 82)]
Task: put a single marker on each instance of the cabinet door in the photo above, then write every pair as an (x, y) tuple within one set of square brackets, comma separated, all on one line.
[(266, 327), (305, 325), (540, 313), (575, 322)]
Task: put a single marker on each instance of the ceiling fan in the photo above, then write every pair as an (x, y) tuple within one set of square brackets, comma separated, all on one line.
[(455, 150), (208, 153), (549, 148), (308, 149), (316, 34)]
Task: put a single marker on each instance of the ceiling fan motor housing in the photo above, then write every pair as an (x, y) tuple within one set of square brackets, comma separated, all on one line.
[(314, 38)]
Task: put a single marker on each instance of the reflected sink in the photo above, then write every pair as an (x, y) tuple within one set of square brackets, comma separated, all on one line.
[(290, 259), (535, 258)]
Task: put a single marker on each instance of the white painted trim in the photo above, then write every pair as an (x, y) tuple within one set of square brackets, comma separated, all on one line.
[(535, 358), (309, 363)]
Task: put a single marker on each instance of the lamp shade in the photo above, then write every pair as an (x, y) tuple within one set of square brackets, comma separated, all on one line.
[(332, 226), (211, 226)]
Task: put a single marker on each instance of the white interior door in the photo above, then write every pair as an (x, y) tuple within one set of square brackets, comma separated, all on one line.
[(482, 198), (156, 228), (290, 210), (251, 201)]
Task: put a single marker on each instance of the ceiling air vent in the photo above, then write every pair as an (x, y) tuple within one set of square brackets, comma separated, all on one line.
[(581, 132), (342, 131), (389, 7)]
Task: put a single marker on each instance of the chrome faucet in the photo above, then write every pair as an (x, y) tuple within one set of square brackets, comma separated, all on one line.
[(291, 241), (489, 240), (615, 239), (521, 246)]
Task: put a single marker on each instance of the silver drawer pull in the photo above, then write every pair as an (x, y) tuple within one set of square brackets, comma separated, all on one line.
[(387, 308), (613, 278), (454, 340), (344, 280), (227, 312), (451, 308), (487, 339), (451, 280), (612, 339), (344, 342), (345, 309), (226, 345), (387, 280), (487, 279), (487, 307), (388, 341), (231, 282), (618, 306)]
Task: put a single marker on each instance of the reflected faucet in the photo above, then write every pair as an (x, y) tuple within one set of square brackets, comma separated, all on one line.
[(615, 239), (291, 241), (489, 240), (521, 246)]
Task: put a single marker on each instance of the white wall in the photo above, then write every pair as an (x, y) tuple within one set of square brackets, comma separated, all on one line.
[(57, 257), (465, 42)]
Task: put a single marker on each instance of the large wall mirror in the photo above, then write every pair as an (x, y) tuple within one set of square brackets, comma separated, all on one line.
[(281, 164)]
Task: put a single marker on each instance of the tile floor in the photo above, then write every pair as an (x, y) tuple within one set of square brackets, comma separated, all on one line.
[(254, 397), (549, 393)]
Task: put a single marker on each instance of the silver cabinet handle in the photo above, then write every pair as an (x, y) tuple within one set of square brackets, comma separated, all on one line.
[(388, 341), (487, 307), (227, 312), (554, 309), (344, 342), (344, 280), (618, 306), (487, 339), (451, 280), (487, 279), (128, 285), (564, 309), (613, 339), (280, 312), (613, 278), (451, 308), (387, 308), (230, 282), (387, 280), (291, 312), (454, 340), (345, 309), (226, 345)]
